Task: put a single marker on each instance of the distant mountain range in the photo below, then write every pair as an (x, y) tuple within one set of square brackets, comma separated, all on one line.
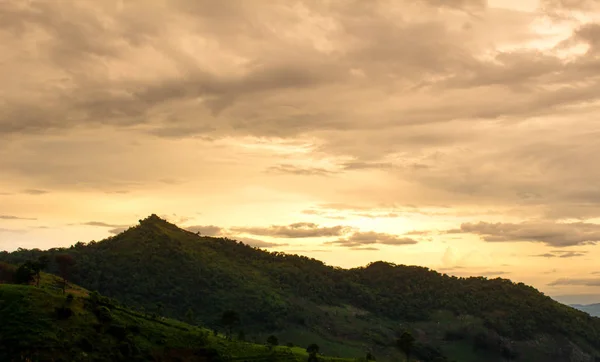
[(591, 309), (347, 312)]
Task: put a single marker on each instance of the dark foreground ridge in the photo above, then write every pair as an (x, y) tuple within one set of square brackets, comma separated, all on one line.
[(389, 311)]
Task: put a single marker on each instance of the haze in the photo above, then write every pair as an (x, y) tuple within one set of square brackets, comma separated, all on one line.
[(459, 135)]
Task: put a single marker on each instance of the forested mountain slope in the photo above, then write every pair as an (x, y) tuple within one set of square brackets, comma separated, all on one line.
[(347, 312), (43, 323)]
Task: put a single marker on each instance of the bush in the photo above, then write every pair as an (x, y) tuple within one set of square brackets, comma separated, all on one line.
[(7, 273), (63, 312), (70, 298), (104, 314), (86, 345), (118, 331), (455, 335), (135, 329)]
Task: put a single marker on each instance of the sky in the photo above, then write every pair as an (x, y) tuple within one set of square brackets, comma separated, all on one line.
[(459, 135)]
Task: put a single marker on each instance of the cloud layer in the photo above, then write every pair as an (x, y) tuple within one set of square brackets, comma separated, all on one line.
[(551, 233), (471, 116)]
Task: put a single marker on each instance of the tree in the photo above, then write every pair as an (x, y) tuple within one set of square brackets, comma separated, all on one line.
[(406, 343), (38, 266), (272, 341), (189, 316), (229, 319), (160, 308), (65, 263), (312, 350), (370, 357), (24, 273)]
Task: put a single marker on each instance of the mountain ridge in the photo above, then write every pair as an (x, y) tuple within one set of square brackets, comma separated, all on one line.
[(349, 311)]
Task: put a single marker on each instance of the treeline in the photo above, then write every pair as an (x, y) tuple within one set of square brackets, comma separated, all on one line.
[(156, 262)]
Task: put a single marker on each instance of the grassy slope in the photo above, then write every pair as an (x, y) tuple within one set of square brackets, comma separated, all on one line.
[(346, 312), (30, 328)]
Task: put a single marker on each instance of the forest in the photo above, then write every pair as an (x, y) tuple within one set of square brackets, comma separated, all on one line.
[(380, 311)]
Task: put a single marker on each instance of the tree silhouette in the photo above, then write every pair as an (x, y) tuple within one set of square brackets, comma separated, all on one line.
[(39, 265), (312, 350), (24, 273), (160, 308), (229, 319), (189, 316), (65, 263), (406, 343), (272, 341)]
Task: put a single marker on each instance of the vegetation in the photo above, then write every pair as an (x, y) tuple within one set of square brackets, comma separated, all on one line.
[(303, 301), (42, 324)]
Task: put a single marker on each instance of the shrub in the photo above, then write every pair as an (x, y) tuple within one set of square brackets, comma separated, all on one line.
[(86, 345), (63, 312), (118, 331), (104, 314), (134, 328)]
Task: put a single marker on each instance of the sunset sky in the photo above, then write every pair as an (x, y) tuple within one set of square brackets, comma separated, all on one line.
[(455, 134)]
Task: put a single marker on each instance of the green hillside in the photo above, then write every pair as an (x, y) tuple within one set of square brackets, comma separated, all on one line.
[(346, 312), (43, 324)]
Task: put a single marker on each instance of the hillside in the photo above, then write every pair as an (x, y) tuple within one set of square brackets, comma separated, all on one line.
[(346, 312), (43, 324)]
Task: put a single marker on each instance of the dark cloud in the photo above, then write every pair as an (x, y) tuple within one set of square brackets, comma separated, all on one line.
[(297, 170), (296, 230), (359, 239), (548, 232), (210, 230), (12, 217), (389, 86)]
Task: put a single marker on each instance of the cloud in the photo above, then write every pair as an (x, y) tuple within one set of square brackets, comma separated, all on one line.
[(118, 230), (365, 248), (34, 192), (562, 254), (101, 224), (301, 171), (493, 273), (12, 217), (548, 232), (359, 239), (588, 282), (257, 243), (361, 165), (114, 229), (296, 230), (210, 230), (350, 78), (16, 231)]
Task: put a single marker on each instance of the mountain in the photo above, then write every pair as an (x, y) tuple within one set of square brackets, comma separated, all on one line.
[(591, 309), (345, 311), (44, 324)]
